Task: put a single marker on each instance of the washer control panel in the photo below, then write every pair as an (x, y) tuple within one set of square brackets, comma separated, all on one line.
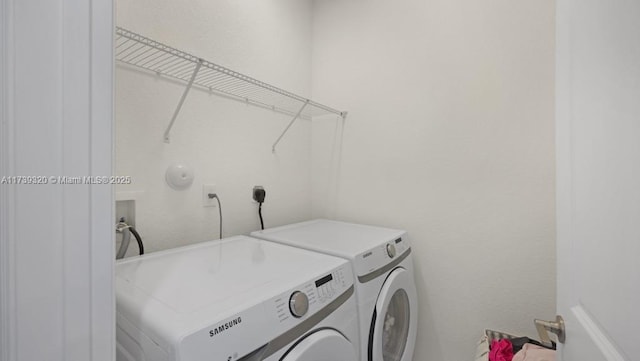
[(298, 304), (242, 332), (312, 296)]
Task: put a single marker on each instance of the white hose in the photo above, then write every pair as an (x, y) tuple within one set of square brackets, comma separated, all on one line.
[(124, 245)]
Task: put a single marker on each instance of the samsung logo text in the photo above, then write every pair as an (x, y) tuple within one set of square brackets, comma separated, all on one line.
[(225, 326)]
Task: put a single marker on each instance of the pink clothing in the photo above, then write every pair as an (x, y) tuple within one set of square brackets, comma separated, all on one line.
[(532, 352), (501, 350)]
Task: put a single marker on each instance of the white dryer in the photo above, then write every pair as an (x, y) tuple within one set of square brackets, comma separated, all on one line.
[(385, 287), (239, 299)]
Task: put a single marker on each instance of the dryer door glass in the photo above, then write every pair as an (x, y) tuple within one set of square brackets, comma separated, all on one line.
[(325, 344), (396, 327), (393, 328)]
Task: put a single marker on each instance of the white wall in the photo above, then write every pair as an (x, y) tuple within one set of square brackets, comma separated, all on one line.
[(450, 135), (227, 143)]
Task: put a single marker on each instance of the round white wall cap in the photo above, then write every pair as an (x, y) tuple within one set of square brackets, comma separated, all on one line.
[(179, 176)]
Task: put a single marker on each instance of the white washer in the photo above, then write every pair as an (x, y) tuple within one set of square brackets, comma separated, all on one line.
[(385, 287), (239, 299)]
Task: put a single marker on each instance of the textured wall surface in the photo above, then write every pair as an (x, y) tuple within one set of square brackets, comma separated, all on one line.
[(450, 135), (226, 142)]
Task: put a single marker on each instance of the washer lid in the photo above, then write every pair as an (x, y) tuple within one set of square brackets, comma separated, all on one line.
[(231, 271), (338, 238), (171, 293)]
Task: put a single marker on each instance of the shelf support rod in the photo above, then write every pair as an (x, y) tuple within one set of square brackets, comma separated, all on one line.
[(273, 147), (182, 98)]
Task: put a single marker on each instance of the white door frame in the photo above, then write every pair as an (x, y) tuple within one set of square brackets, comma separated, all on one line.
[(56, 120), (7, 319)]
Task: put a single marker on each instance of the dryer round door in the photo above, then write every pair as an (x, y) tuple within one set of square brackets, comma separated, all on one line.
[(323, 345), (393, 328)]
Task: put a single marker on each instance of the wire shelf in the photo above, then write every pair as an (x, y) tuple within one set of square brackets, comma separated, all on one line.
[(141, 52)]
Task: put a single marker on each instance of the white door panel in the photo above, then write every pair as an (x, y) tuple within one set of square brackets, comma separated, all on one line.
[(56, 241), (598, 192)]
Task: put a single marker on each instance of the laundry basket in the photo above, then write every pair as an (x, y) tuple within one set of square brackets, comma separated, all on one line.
[(482, 351)]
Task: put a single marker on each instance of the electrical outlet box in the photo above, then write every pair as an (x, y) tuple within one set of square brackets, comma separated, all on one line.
[(206, 200), (126, 209)]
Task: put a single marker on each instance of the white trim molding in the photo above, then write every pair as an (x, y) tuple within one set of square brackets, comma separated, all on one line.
[(102, 198), (7, 278), (596, 334)]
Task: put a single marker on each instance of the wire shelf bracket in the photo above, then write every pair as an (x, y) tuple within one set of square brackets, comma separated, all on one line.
[(162, 60), (273, 147), (182, 98)]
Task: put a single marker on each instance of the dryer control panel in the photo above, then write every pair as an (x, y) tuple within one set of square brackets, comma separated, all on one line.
[(382, 255)]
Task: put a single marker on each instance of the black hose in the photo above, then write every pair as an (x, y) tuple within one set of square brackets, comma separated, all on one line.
[(138, 239), (260, 214)]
